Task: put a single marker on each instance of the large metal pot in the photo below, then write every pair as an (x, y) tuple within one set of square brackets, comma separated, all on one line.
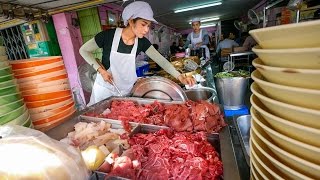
[(231, 91), (204, 93)]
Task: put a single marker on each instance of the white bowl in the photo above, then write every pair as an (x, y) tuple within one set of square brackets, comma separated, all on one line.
[(304, 78), (303, 97), (300, 115), (298, 35), (300, 149), (294, 130), (304, 58), (287, 171), (305, 167)]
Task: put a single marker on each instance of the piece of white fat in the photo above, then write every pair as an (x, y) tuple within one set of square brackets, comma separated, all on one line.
[(117, 131), (80, 126), (105, 150), (105, 112)]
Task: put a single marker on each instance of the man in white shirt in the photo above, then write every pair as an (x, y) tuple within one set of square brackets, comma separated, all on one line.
[(226, 43)]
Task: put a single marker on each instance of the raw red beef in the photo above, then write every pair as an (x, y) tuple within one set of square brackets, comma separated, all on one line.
[(191, 116), (181, 155)]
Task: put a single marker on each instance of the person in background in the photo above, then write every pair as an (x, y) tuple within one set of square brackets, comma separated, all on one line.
[(249, 43), (174, 48), (120, 48), (226, 43), (181, 46), (198, 38)]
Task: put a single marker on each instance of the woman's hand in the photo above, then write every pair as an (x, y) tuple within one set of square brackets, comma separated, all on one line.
[(184, 79), (107, 76)]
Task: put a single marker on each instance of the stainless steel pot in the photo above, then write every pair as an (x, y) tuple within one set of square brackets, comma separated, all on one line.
[(204, 93)]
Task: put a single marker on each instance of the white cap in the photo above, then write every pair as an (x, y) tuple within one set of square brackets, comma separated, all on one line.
[(196, 20), (137, 9)]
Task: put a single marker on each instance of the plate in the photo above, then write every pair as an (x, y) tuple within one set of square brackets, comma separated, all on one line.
[(38, 68), (48, 102), (6, 77), (39, 73), (296, 35), (32, 79), (290, 58), (21, 119), (29, 86), (47, 89), (28, 63), (5, 108), (50, 107), (47, 114), (5, 118), (304, 78), (46, 96), (8, 98)]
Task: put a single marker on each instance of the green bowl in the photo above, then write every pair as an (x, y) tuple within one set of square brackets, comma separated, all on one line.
[(6, 78), (9, 98), (8, 83), (9, 90), (5, 118), (22, 119), (5, 71), (11, 106), (27, 123), (4, 64)]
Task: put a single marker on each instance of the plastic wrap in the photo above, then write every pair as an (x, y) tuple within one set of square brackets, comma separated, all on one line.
[(30, 154)]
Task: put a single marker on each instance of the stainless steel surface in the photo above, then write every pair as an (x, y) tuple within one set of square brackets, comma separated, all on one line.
[(231, 91), (242, 54), (204, 93), (158, 88), (243, 125), (116, 87)]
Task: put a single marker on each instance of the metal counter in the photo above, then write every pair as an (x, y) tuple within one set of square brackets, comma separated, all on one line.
[(232, 170)]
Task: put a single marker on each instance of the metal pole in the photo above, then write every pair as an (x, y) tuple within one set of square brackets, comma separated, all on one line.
[(264, 18), (298, 16)]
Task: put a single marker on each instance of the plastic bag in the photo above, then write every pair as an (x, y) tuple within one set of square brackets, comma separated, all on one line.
[(30, 154)]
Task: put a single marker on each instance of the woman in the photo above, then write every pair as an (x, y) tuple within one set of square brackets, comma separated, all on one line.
[(199, 38), (120, 48)]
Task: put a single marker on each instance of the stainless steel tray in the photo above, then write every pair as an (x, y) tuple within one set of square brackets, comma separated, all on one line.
[(221, 142), (243, 125)]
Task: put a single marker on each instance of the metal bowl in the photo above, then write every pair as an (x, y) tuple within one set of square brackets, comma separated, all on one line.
[(204, 93)]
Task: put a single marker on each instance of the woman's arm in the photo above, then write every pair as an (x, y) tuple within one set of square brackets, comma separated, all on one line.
[(86, 52), (167, 66)]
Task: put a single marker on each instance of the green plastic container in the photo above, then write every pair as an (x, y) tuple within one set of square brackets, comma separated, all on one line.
[(9, 90), (12, 115), (6, 78), (5, 71), (9, 98), (11, 106)]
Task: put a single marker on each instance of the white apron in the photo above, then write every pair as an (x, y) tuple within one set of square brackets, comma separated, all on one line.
[(194, 41), (123, 70)]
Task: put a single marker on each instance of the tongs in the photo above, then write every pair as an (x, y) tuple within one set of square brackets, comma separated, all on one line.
[(114, 84)]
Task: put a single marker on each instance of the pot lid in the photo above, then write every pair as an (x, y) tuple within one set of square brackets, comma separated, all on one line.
[(158, 88)]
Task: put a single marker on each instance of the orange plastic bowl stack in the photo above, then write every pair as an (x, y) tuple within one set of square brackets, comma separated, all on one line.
[(45, 88), (13, 110), (285, 127)]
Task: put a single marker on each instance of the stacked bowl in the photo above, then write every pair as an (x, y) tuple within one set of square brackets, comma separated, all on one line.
[(285, 133), (45, 88), (13, 109)]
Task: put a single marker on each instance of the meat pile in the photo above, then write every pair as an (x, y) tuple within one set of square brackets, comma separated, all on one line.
[(190, 116), (168, 155)]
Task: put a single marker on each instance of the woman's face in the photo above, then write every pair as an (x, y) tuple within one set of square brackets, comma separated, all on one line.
[(196, 27), (140, 27)]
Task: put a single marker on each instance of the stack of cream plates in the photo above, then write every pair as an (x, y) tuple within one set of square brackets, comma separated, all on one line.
[(13, 109), (285, 133), (44, 85)]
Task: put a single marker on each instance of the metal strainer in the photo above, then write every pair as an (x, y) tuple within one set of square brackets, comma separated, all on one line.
[(190, 65), (228, 66)]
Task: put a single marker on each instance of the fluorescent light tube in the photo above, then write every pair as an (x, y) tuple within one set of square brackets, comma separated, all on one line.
[(197, 7), (207, 25), (207, 19)]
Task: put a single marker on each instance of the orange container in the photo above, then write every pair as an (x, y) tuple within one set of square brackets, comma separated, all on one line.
[(31, 79), (53, 118), (38, 73), (29, 86), (43, 103), (51, 113), (49, 107), (37, 68), (48, 126), (48, 89), (46, 96), (27, 63), (44, 80)]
